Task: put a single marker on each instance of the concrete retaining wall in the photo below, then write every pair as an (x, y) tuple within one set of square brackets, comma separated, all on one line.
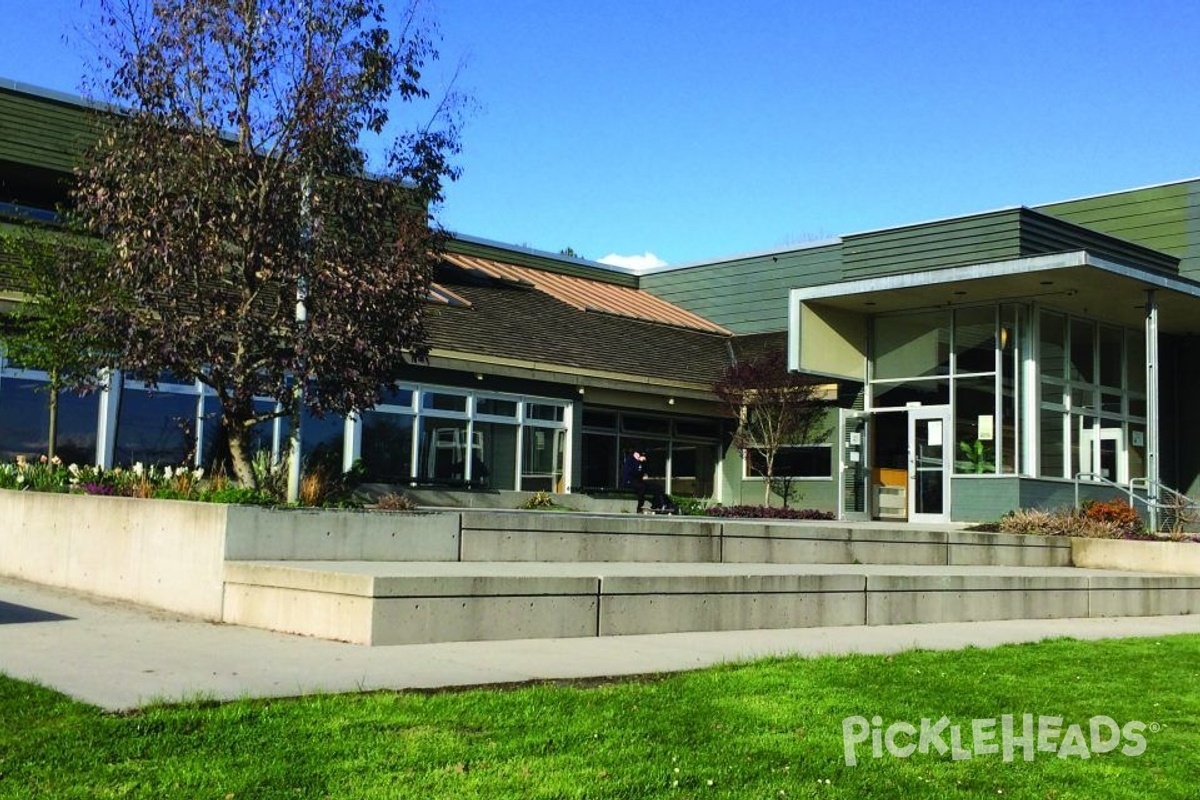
[(163, 553), (1177, 558), (171, 554)]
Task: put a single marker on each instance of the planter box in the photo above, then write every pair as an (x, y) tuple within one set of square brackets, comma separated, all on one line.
[(1177, 558)]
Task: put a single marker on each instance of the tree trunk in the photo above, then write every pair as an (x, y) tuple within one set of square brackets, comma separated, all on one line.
[(769, 479), (233, 420), (52, 433)]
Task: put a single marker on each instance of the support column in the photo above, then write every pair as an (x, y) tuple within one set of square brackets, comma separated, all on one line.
[(1152, 403), (106, 424)]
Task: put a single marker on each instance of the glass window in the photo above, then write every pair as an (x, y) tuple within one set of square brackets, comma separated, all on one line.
[(25, 422), (1051, 444), (156, 428), (215, 445), (927, 393), (445, 402), (1137, 451), (544, 411), (798, 461), (1083, 351), (601, 461), (1111, 347), (321, 442), (397, 396), (542, 459), (443, 451), (387, 446), (495, 408), (1011, 320), (700, 429), (693, 468), (594, 418), (1083, 399), (975, 426), (495, 463), (1008, 425), (1135, 362), (912, 345), (637, 424), (975, 339), (1052, 352)]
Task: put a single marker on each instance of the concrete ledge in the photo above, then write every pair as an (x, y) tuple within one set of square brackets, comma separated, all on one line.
[(1177, 558), (352, 535), (905, 599), (1006, 550)]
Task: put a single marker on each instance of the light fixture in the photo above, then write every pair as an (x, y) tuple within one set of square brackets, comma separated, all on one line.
[(478, 376), (580, 390), (670, 401)]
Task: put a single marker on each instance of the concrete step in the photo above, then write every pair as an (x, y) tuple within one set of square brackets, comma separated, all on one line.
[(517, 536), (380, 603), (485, 536)]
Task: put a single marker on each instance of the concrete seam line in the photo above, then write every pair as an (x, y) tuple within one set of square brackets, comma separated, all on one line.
[(599, 600), (461, 529)]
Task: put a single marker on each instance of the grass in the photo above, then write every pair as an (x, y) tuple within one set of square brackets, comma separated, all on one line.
[(767, 730)]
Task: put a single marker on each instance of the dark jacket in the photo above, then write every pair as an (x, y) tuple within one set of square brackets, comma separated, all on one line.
[(633, 471)]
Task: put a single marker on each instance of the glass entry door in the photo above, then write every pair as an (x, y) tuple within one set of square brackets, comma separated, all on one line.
[(854, 469), (929, 460)]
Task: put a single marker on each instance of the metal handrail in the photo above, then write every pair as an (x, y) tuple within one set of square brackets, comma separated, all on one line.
[(1153, 492), (1097, 478), (1156, 489)]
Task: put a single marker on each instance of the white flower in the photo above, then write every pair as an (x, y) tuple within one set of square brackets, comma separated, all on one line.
[(168, 473), (73, 469), (138, 469), (198, 473)]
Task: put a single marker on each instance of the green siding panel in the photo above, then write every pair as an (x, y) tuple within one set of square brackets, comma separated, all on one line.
[(987, 499), (43, 132), (1165, 218), (747, 294), (965, 240)]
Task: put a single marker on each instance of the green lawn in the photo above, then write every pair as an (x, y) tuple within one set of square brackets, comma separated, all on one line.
[(767, 730)]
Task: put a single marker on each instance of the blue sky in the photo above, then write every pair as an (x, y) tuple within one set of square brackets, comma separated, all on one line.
[(693, 129)]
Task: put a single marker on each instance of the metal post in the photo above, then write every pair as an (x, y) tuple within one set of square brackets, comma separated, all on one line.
[(1152, 424), (293, 487)]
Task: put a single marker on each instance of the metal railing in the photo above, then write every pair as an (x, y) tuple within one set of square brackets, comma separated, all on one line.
[(1177, 510)]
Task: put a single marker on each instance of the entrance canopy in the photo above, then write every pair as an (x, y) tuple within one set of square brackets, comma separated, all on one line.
[(828, 323)]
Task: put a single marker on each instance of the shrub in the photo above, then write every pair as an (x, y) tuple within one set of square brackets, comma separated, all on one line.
[(539, 500), (395, 501), (237, 495), (692, 506), (768, 512), (1064, 522), (1120, 514)]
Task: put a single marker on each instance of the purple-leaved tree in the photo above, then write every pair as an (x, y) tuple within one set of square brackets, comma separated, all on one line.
[(234, 181), (773, 408)]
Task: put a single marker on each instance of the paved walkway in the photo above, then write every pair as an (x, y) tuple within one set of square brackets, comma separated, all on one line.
[(119, 656)]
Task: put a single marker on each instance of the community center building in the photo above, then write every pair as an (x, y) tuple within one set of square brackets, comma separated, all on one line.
[(980, 364)]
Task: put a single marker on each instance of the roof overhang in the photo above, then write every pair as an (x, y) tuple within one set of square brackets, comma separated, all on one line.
[(1076, 282)]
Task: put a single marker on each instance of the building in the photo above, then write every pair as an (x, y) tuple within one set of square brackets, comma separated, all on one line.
[(982, 363)]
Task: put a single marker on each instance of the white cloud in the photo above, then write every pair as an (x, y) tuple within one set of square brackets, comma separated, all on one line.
[(645, 261)]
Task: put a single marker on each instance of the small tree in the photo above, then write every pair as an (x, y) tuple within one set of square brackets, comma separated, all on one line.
[(773, 406), (42, 330), (252, 245)]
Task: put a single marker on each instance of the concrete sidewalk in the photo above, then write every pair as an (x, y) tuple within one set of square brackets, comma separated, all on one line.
[(120, 656)]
